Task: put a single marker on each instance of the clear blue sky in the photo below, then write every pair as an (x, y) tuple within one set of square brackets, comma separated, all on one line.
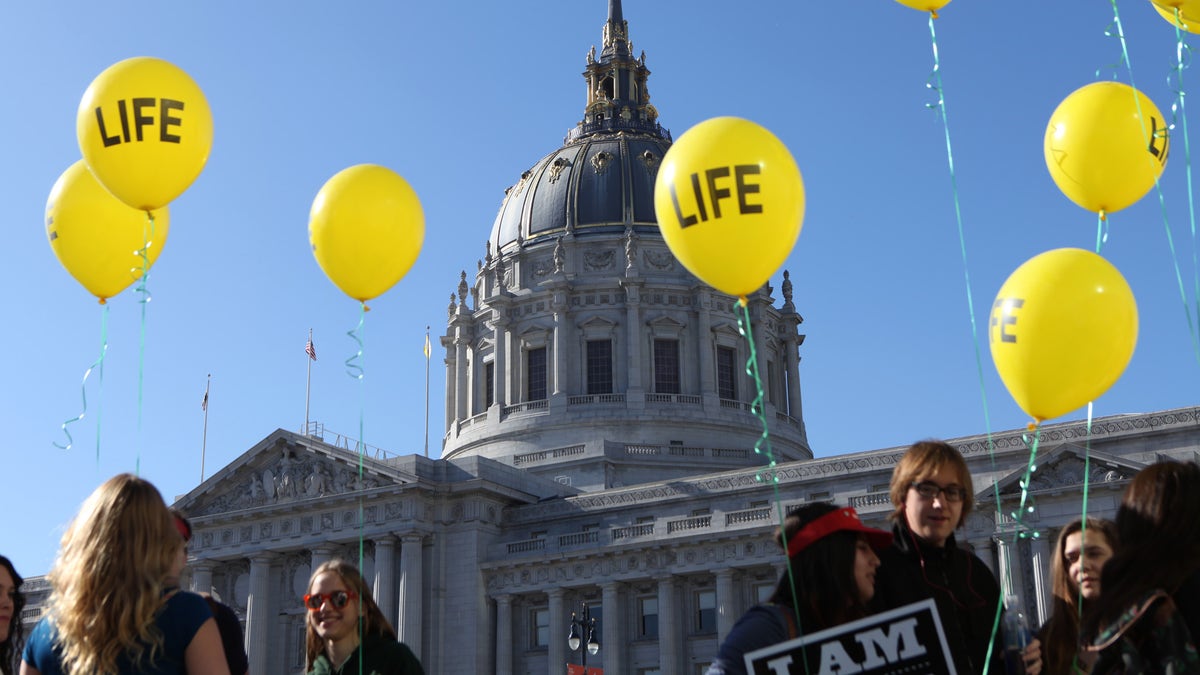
[(460, 98)]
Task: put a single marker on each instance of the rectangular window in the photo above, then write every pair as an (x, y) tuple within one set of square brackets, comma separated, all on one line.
[(539, 627), (648, 618), (666, 366), (599, 367), (727, 373), (535, 368), (772, 385), (763, 592), (489, 385), (706, 611)]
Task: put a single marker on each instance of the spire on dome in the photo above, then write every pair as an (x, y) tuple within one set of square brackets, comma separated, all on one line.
[(617, 97)]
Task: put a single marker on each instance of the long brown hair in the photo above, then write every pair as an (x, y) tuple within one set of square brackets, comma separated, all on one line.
[(1060, 635), (107, 583), (823, 573), (1159, 536), (371, 620), (10, 647)]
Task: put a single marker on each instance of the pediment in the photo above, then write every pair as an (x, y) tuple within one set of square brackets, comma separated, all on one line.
[(1064, 468), (292, 470)]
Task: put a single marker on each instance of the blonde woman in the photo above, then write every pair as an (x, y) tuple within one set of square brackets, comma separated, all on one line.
[(347, 632), (110, 609)]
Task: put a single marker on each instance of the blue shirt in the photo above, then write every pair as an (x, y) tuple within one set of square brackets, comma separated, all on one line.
[(179, 620)]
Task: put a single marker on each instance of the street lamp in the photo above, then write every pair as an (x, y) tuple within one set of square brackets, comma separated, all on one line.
[(586, 625)]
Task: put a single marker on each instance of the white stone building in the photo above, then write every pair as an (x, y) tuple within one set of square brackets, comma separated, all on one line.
[(600, 447)]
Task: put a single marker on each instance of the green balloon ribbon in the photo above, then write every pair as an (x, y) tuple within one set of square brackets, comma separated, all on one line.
[(934, 83), (1183, 57), (98, 365), (144, 292)]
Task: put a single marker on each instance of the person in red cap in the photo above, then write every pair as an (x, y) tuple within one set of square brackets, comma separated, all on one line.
[(829, 581)]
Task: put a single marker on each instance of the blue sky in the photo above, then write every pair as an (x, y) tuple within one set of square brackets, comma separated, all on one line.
[(460, 98)]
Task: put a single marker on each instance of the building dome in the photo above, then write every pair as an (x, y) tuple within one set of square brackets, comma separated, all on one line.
[(583, 350), (602, 179)]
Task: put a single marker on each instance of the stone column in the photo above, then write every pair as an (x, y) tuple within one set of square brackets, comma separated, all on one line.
[(451, 363), (321, 554), (612, 648), (633, 375), (792, 345), (670, 633), (258, 608), (1009, 567), (705, 354), (202, 571), (500, 376), (727, 606), (408, 627), (758, 326), (504, 639), (462, 392), (385, 577), (557, 655), (1041, 582)]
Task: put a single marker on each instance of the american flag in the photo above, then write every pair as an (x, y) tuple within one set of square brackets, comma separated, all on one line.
[(310, 350), (204, 403)]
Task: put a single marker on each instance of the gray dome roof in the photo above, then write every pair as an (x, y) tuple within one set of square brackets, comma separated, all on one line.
[(602, 179), (601, 183)]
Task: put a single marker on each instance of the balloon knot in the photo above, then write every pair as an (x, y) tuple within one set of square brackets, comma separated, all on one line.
[(103, 301), (933, 13), (1103, 215), (742, 301), (1032, 426), (365, 308)]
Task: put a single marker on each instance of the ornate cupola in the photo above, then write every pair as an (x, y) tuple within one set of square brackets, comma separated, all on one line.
[(617, 94), (582, 350)]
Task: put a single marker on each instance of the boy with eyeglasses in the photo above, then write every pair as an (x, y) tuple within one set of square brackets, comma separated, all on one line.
[(932, 493)]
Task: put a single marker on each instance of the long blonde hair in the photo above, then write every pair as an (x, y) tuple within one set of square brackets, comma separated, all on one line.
[(370, 617), (107, 583)]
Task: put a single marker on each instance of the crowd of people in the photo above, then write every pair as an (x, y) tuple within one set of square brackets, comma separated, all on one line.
[(115, 604), (1148, 562)]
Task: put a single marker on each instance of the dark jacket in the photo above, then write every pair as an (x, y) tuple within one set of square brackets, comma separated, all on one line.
[(962, 587), (380, 656), (1155, 635)]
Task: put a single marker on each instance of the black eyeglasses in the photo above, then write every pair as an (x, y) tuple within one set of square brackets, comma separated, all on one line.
[(338, 599), (930, 490)]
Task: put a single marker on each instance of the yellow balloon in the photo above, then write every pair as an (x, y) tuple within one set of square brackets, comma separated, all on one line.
[(1106, 145), (1062, 329), (1189, 12), (97, 237), (730, 202), (925, 5), (366, 228), (145, 130)]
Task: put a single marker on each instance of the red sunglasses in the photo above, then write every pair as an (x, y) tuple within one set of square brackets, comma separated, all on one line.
[(339, 599)]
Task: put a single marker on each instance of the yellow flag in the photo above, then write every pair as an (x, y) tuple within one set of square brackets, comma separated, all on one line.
[(427, 349)]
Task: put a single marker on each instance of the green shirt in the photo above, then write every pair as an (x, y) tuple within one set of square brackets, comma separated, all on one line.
[(380, 655)]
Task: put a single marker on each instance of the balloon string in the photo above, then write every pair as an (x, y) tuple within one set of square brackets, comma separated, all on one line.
[(762, 446), (144, 292), (356, 368), (1087, 473), (97, 364), (1101, 230), (1183, 54), (934, 83)]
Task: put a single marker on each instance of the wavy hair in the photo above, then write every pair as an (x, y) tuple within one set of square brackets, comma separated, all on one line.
[(1159, 536), (1060, 635), (107, 583), (10, 648), (826, 593), (371, 620)]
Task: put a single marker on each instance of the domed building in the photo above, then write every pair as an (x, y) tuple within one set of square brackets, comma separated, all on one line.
[(582, 350), (599, 452)]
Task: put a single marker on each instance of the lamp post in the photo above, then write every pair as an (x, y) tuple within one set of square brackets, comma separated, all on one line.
[(583, 634)]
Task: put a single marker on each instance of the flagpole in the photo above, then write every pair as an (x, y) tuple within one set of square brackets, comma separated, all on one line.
[(204, 437), (427, 391), (308, 385)]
